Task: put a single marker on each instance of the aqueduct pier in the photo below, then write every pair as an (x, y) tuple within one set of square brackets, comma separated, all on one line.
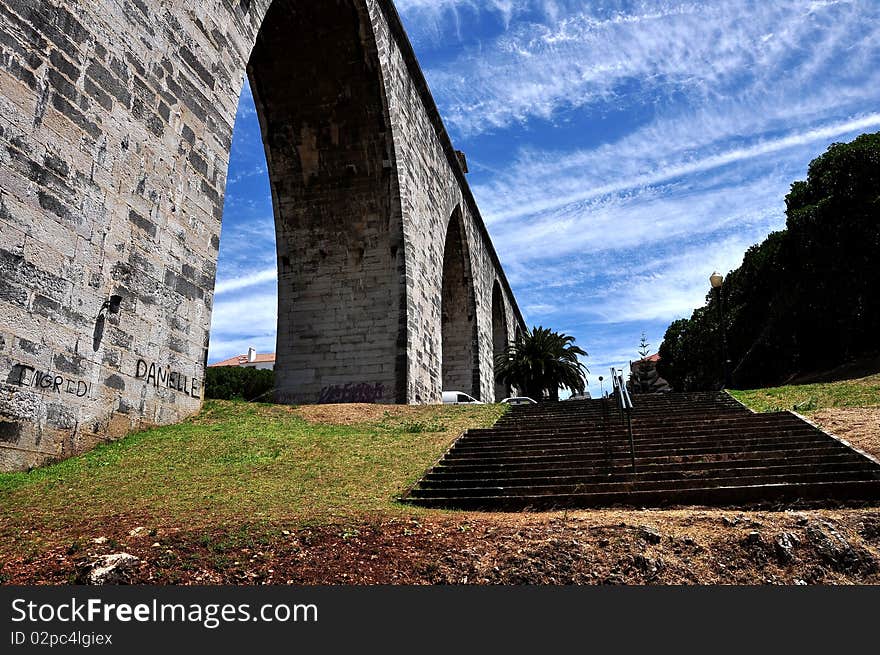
[(116, 120)]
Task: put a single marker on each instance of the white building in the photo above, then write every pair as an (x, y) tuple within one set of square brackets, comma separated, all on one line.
[(251, 360)]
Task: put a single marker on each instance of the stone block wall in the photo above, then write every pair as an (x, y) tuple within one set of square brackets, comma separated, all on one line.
[(432, 189), (116, 120)]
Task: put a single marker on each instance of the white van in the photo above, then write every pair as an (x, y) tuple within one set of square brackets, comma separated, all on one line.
[(459, 398)]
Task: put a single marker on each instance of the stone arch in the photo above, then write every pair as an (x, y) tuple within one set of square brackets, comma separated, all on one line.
[(320, 97), (459, 351), (125, 125), (500, 337), (115, 143)]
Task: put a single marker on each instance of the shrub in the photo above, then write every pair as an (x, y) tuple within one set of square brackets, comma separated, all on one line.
[(234, 383)]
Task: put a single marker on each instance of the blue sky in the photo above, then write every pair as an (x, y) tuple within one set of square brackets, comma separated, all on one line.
[(620, 151)]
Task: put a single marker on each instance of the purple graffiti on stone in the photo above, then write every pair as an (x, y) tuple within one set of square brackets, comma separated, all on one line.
[(352, 393)]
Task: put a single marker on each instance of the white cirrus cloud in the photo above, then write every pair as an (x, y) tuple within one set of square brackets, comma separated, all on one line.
[(705, 52), (256, 278), (615, 169)]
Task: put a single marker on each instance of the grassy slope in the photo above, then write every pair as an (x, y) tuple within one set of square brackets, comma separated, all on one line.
[(239, 463), (247, 494), (809, 398)]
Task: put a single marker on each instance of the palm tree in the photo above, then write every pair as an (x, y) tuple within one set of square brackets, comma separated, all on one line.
[(542, 361)]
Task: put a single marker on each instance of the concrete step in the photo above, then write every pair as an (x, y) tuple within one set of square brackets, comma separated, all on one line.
[(532, 412), (594, 452), (641, 423), (610, 463), (639, 429), (733, 495), (622, 466), (589, 476), (690, 449), (621, 437), (824, 450), (639, 484)]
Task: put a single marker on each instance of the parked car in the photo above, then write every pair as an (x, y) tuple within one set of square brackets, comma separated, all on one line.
[(519, 400), (459, 398), (581, 396)]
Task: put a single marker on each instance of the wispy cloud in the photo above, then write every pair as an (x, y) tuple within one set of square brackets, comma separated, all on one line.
[(247, 243), (630, 293), (255, 171), (665, 287), (641, 220), (253, 314), (246, 107), (514, 195), (242, 322), (251, 280), (431, 20), (661, 282), (591, 57)]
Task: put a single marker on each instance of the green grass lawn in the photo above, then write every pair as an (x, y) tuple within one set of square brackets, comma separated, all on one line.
[(239, 463), (809, 398)]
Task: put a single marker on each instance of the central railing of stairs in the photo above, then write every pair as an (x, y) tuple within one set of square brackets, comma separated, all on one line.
[(625, 409)]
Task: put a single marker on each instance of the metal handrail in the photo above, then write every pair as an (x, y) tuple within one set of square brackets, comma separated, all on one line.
[(625, 398), (625, 406), (614, 391)]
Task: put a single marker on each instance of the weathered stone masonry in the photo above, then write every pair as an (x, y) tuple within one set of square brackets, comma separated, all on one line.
[(116, 120)]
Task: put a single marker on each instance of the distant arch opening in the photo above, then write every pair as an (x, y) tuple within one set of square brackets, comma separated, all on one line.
[(500, 338), (458, 309)]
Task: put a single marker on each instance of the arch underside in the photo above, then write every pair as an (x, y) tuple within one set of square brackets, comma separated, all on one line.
[(318, 89), (460, 365), (500, 338)]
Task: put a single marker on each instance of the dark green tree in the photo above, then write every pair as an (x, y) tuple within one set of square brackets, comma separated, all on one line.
[(644, 347), (805, 300), (540, 362), (642, 381), (644, 374), (689, 354)]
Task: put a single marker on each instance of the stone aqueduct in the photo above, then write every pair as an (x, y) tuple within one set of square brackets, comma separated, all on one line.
[(116, 120)]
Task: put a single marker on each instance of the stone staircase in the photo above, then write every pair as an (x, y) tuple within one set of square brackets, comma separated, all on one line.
[(691, 449)]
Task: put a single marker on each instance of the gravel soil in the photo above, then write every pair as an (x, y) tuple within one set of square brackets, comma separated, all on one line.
[(680, 547), (860, 426)]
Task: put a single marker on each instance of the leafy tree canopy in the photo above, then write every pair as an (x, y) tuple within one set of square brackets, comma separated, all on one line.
[(805, 299)]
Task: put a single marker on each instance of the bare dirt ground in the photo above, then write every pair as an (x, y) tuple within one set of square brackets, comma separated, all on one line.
[(352, 414), (687, 546), (860, 426)]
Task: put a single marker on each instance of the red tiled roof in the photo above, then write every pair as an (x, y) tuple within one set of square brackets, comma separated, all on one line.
[(242, 360)]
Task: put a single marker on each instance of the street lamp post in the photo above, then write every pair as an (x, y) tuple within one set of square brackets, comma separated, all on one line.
[(717, 282)]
